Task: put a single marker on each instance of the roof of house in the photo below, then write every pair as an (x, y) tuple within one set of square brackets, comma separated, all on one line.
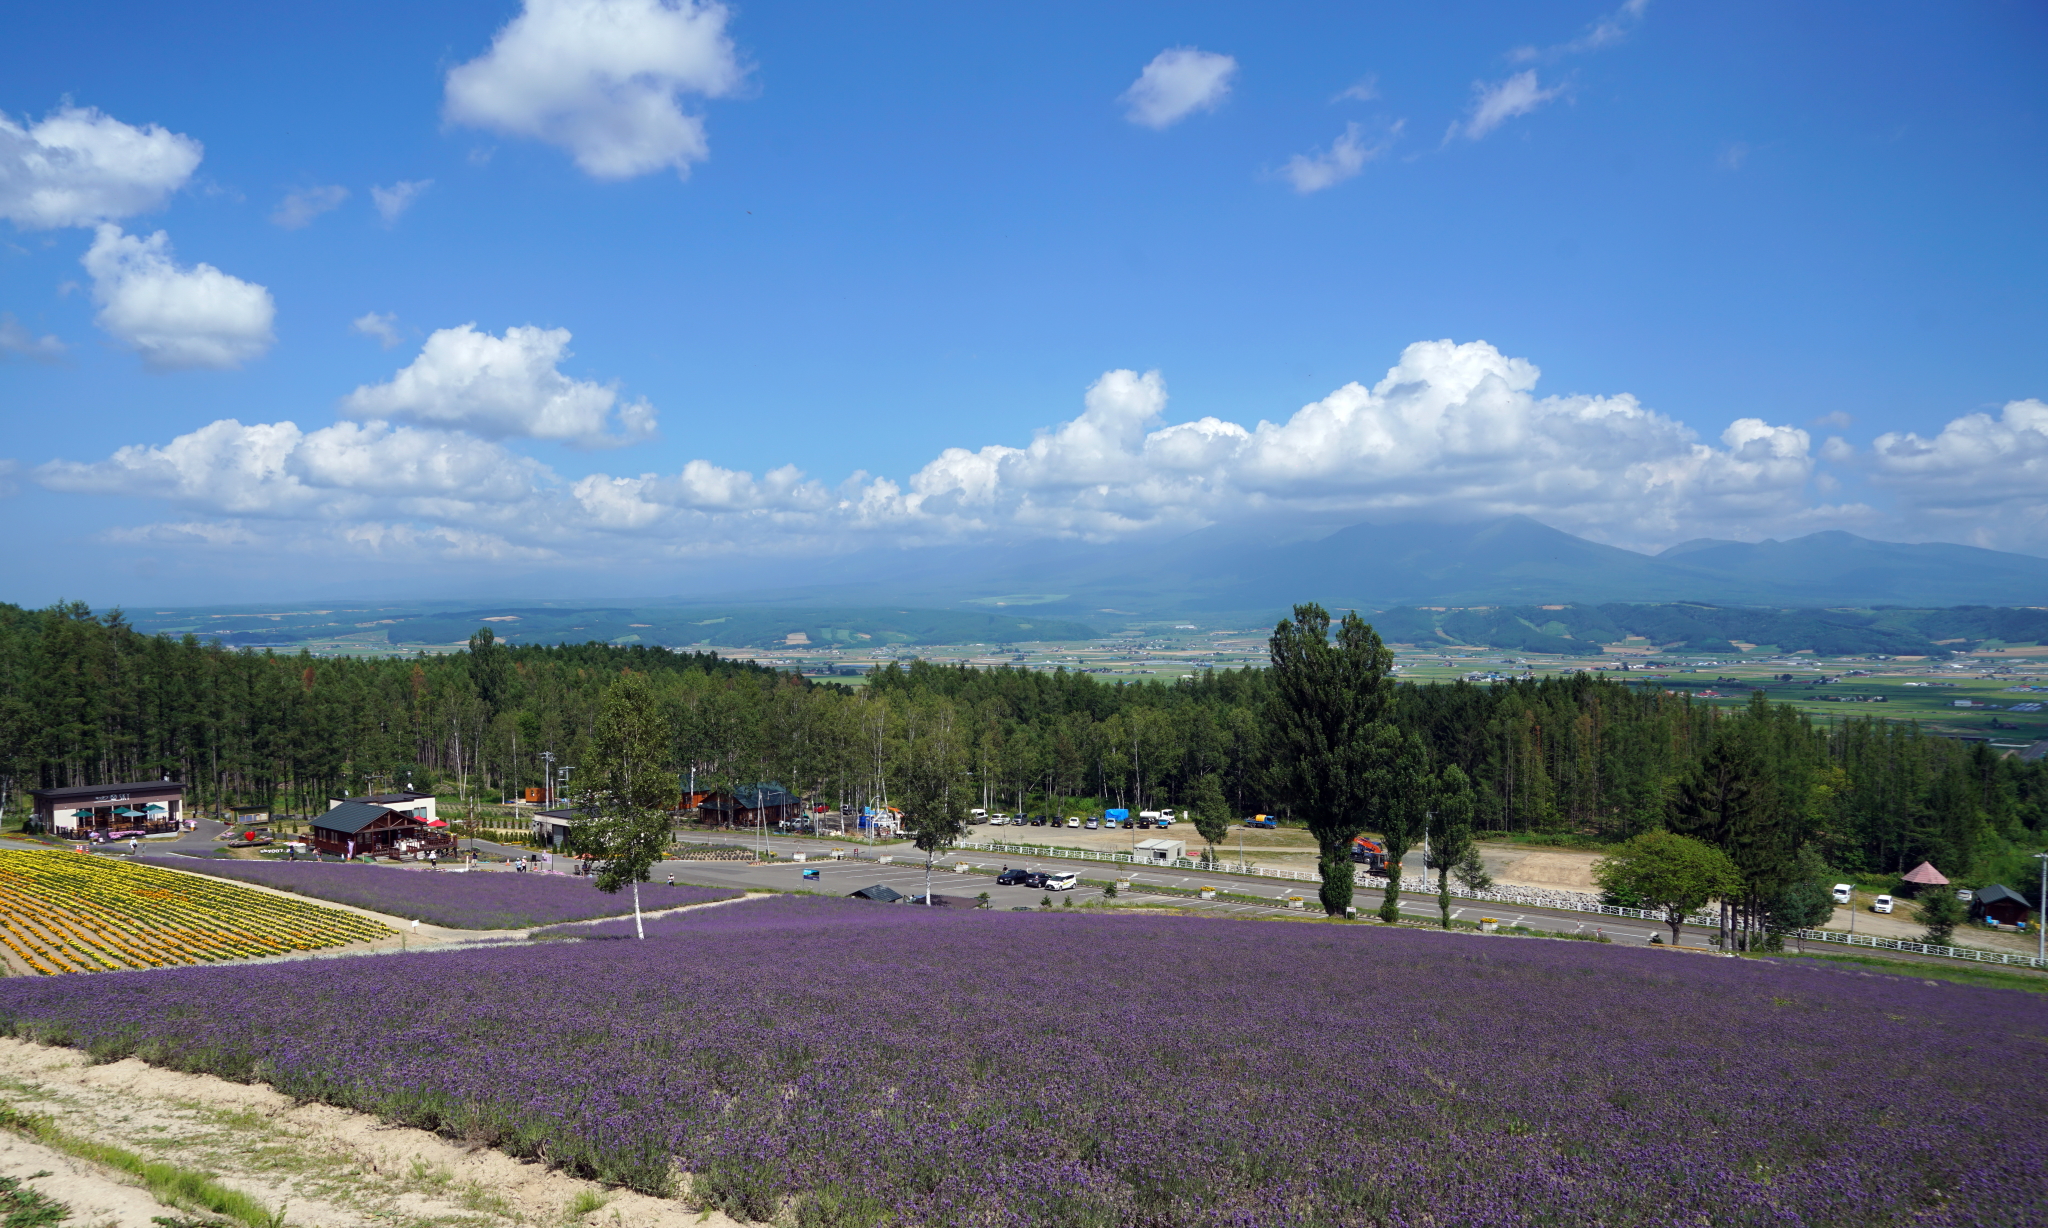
[(1997, 892), (2038, 750), (880, 892), (351, 817), (392, 799), (85, 792), (1925, 874), (768, 793), (560, 816)]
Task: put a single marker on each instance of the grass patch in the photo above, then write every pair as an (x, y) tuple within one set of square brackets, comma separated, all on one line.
[(21, 1207), (585, 1202), (1991, 978), (167, 1183)]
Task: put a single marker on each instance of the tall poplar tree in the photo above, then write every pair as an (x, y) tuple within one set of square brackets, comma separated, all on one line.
[(1330, 717), (1450, 831), (1402, 795)]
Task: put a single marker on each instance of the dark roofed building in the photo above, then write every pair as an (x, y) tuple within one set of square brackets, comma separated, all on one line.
[(2001, 904), (93, 810), (750, 805), (551, 827), (366, 828)]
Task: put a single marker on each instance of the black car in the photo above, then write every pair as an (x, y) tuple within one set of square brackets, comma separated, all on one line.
[(1035, 879), (1013, 878), (1038, 820)]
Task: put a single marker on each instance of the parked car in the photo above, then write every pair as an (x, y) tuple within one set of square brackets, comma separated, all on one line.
[(1072, 821), (1038, 820), (1013, 878), (1882, 903), (1035, 879), (1842, 892), (1092, 824), (1065, 880)]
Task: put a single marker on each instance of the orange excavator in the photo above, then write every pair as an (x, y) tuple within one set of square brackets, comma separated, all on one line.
[(1369, 853)]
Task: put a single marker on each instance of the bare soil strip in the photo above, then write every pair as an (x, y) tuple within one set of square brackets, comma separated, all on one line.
[(329, 1167)]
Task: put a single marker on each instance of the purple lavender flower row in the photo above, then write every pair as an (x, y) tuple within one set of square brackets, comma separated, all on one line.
[(474, 901), (937, 1067)]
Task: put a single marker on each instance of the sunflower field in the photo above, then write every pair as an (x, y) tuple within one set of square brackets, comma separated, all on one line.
[(76, 912)]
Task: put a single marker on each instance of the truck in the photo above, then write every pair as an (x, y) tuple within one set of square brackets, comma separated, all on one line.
[(1369, 853), (1262, 820)]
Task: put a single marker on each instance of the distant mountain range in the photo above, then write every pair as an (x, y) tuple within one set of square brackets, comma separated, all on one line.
[(1547, 590), (1512, 560)]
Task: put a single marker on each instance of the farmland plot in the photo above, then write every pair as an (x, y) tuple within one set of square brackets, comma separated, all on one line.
[(834, 1063), (75, 912)]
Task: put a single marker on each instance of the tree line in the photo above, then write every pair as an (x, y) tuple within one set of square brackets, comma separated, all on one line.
[(87, 699)]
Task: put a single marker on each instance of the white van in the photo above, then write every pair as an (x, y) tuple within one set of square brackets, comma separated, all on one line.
[(1842, 891), (1882, 903), (1065, 880)]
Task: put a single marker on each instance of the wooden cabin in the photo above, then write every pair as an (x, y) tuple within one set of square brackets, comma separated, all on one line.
[(363, 828)]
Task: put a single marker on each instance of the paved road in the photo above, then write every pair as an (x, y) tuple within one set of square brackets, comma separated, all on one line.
[(906, 874)]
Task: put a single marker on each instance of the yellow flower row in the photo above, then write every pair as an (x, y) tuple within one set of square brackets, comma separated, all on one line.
[(65, 912)]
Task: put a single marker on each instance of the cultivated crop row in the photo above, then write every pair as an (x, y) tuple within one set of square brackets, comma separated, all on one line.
[(830, 1062), (75, 912), (470, 900)]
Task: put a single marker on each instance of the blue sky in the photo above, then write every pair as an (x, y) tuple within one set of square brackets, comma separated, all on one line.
[(843, 277)]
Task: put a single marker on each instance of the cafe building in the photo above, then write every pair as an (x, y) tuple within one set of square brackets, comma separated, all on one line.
[(103, 811)]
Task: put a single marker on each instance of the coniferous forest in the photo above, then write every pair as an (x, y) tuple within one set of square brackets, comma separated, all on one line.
[(85, 699)]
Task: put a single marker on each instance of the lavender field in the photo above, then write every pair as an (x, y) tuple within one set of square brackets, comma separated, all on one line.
[(881, 1064), (470, 901)]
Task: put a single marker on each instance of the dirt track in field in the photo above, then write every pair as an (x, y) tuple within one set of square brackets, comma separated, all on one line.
[(331, 1167)]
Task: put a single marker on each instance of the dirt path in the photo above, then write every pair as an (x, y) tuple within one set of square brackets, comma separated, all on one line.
[(333, 1168)]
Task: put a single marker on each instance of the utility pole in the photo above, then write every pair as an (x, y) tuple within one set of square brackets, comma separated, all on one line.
[(547, 780), (2041, 935)]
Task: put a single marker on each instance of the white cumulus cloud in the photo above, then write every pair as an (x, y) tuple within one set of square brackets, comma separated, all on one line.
[(175, 317), (1178, 82), (301, 205), (503, 386), (602, 79), (348, 470), (1984, 476), (1452, 430), (1498, 102), (1344, 159), (80, 166), (397, 198)]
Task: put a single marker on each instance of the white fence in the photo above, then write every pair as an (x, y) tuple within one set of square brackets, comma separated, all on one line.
[(1549, 900)]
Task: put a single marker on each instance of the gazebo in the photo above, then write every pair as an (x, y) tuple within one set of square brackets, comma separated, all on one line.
[(1922, 875)]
